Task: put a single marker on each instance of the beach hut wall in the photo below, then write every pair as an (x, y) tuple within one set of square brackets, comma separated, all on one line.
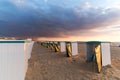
[(52, 46), (106, 56), (74, 48), (68, 49), (12, 63), (62, 47), (28, 48), (57, 46)]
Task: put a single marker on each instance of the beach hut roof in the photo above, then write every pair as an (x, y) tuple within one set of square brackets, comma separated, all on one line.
[(12, 41), (96, 42)]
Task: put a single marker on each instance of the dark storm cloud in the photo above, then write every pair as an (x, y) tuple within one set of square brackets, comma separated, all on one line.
[(52, 20)]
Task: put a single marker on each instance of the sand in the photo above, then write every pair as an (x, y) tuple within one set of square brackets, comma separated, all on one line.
[(48, 65)]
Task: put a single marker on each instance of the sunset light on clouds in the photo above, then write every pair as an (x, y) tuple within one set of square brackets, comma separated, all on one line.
[(78, 20)]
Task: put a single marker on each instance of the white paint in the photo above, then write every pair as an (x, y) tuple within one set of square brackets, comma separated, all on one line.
[(74, 46), (27, 53), (25, 57), (12, 61), (30, 46), (62, 47), (106, 56)]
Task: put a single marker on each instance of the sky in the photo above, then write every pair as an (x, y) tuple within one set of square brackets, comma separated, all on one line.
[(78, 20)]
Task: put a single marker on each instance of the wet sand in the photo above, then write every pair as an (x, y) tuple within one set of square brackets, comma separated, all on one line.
[(48, 65)]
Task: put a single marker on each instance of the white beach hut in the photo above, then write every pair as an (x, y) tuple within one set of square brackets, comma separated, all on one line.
[(71, 48), (100, 51), (13, 60)]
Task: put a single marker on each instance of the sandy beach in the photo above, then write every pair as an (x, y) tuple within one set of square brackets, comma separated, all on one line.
[(48, 65)]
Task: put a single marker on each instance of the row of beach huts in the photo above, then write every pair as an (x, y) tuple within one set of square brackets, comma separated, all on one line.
[(14, 55), (95, 51)]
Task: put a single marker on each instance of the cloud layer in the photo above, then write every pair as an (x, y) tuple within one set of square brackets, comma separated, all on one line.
[(23, 18)]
